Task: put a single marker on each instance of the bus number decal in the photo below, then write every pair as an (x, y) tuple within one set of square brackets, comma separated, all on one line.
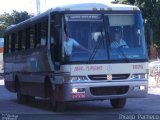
[(137, 67)]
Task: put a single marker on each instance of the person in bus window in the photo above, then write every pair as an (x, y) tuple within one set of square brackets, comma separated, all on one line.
[(69, 43), (118, 41)]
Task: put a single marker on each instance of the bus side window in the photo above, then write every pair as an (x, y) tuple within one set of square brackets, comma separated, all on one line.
[(6, 45), (16, 42), (13, 42), (52, 39), (23, 40), (9, 44), (44, 33), (19, 40), (32, 37), (36, 35), (27, 39)]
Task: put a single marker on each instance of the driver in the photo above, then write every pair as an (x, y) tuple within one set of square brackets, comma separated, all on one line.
[(118, 41), (69, 43)]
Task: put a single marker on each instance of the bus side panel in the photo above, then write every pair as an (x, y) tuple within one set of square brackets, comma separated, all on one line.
[(32, 84), (32, 64), (10, 83), (8, 72)]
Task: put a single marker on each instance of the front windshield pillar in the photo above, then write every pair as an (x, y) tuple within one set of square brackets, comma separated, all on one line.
[(107, 37), (63, 38)]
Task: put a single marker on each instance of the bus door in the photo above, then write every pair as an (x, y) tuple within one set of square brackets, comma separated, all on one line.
[(55, 40)]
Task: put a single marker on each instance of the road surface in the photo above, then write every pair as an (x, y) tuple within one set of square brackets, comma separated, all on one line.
[(91, 110)]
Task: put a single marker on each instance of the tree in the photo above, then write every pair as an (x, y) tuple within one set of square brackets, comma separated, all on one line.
[(20, 16), (15, 17), (130, 2)]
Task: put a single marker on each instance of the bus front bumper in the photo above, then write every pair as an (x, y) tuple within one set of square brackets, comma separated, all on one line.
[(101, 90)]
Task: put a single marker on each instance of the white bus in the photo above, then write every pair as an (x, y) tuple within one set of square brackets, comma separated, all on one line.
[(36, 64)]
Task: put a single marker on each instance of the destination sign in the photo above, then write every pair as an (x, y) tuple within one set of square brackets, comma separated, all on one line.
[(83, 17)]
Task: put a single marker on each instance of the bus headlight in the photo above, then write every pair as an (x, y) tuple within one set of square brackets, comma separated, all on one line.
[(68, 79), (78, 90), (78, 78), (78, 93), (139, 76)]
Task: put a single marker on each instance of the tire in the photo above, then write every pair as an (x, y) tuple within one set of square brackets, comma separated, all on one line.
[(118, 103), (22, 99), (61, 106), (55, 105), (30, 99)]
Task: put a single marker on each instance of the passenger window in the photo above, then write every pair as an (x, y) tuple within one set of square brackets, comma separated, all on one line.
[(13, 42), (23, 39), (36, 37), (38, 34), (27, 39), (16, 42), (19, 40), (32, 37), (44, 33), (6, 45), (9, 44)]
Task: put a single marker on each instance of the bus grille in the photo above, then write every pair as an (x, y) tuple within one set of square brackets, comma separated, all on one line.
[(104, 77), (111, 90)]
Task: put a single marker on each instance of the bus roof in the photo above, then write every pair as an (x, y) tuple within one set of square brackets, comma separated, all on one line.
[(78, 7), (96, 6)]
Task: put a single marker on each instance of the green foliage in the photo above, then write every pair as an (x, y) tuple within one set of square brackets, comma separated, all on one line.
[(130, 2), (15, 17)]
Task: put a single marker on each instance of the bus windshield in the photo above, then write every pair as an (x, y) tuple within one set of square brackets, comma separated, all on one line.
[(106, 37)]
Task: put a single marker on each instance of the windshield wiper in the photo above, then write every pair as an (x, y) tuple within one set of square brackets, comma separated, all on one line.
[(95, 50), (100, 41)]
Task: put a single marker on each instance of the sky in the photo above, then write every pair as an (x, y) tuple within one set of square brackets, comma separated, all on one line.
[(30, 5)]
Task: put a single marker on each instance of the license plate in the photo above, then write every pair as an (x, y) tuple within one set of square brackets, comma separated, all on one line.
[(78, 95)]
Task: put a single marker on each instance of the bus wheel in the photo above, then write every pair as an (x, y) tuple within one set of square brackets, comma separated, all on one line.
[(55, 105), (118, 103), (61, 106), (53, 102), (22, 99), (30, 99)]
